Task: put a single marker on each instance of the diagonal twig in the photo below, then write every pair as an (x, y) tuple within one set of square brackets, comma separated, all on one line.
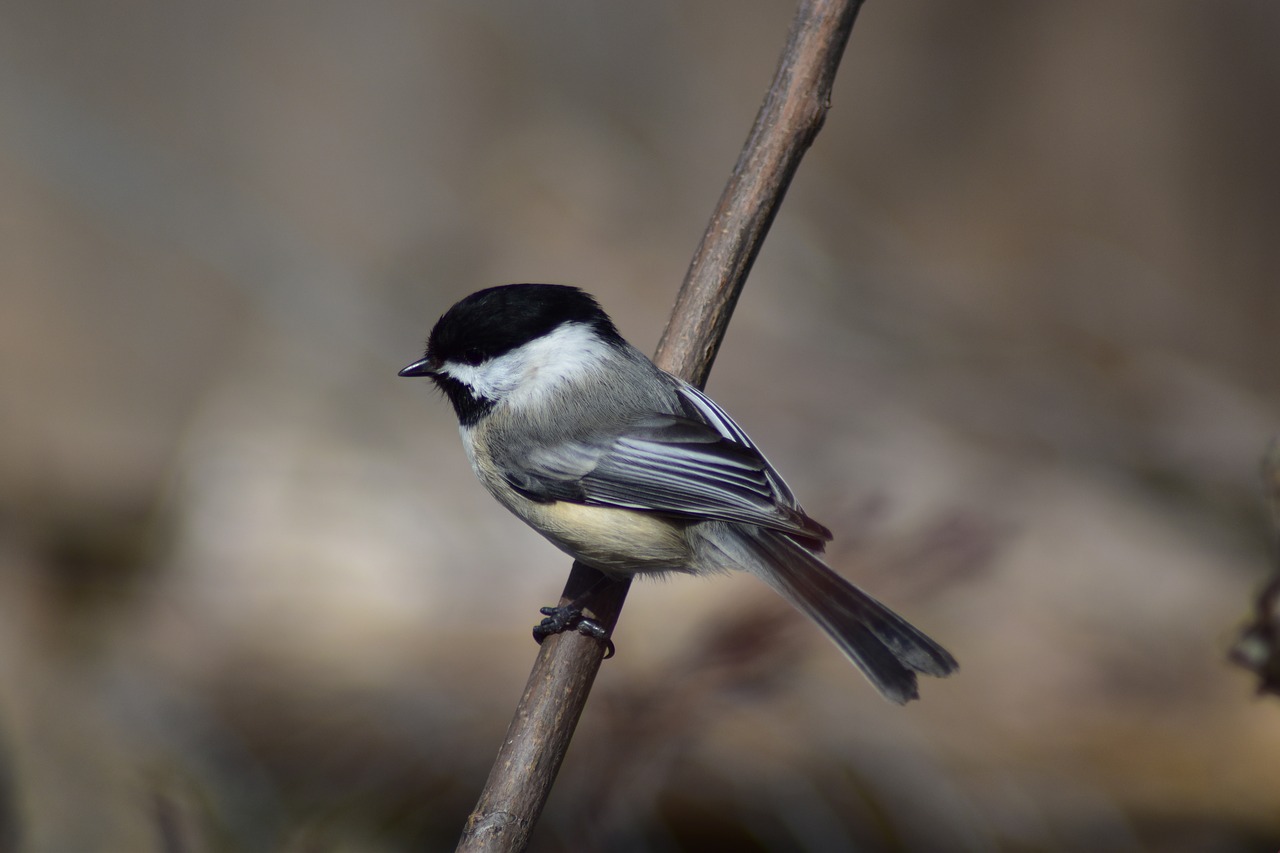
[(792, 114)]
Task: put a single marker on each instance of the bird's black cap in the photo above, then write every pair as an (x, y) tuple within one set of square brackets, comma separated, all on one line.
[(496, 320)]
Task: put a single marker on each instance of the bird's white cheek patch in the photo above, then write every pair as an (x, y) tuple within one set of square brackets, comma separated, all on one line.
[(493, 379), (570, 353), (529, 372)]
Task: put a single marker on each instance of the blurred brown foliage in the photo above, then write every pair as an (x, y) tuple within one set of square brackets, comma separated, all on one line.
[(1013, 338)]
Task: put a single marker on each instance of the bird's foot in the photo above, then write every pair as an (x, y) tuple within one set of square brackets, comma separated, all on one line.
[(569, 618)]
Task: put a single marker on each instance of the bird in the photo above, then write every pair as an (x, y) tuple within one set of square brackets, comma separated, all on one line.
[(633, 471)]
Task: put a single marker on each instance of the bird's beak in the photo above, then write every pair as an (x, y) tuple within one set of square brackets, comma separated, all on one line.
[(425, 366)]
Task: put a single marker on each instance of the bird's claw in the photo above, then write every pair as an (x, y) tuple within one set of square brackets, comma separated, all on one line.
[(570, 618)]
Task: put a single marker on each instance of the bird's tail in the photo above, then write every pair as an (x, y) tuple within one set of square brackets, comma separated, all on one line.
[(887, 648)]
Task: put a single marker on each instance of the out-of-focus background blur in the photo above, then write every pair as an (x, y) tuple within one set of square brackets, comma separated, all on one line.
[(1014, 337)]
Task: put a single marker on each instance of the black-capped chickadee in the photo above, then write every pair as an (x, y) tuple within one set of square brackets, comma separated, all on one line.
[(633, 471)]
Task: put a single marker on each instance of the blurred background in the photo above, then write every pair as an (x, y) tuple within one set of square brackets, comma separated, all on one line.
[(1013, 337)]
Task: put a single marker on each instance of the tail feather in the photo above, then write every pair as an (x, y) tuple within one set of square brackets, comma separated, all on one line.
[(887, 648)]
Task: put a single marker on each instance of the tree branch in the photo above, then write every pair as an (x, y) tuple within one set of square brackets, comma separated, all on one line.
[(792, 114)]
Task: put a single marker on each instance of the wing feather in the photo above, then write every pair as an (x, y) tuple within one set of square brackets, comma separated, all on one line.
[(702, 467)]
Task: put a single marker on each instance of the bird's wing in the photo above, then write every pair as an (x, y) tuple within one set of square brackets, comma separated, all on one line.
[(718, 419), (700, 468)]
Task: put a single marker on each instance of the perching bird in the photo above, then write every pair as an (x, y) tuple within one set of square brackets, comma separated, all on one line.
[(631, 470)]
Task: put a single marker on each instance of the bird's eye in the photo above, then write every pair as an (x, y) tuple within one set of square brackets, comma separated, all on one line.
[(472, 355)]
